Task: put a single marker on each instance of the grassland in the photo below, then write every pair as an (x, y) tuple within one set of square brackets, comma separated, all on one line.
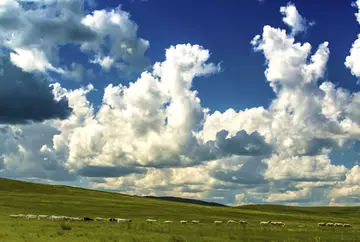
[(24, 197)]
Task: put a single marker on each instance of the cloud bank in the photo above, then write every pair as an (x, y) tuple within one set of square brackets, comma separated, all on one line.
[(153, 136)]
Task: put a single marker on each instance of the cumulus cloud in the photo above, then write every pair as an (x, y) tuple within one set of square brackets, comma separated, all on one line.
[(293, 19), (155, 119), (352, 61), (290, 196), (36, 30), (312, 168), (25, 154), (125, 48), (25, 97)]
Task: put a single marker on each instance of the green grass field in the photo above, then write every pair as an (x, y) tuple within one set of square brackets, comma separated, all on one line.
[(30, 198)]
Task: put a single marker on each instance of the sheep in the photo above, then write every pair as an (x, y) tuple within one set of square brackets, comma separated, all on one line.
[(243, 222), (329, 225), (231, 222), (54, 217), (30, 216), (168, 222), (149, 220), (123, 220), (17, 216), (265, 223), (99, 219), (277, 224), (347, 225), (112, 219), (195, 221), (42, 217), (338, 224), (184, 221), (76, 219), (321, 224), (88, 219), (218, 222)]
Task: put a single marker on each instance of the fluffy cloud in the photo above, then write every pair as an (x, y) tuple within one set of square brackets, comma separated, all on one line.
[(25, 154), (25, 97), (125, 49), (290, 196), (152, 122), (313, 168), (352, 61), (36, 30), (293, 19)]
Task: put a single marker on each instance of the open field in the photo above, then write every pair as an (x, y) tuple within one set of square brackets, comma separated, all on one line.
[(30, 198)]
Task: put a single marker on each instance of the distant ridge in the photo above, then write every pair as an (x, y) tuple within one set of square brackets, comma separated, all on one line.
[(188, 200)]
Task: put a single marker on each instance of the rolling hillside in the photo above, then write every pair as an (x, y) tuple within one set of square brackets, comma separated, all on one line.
[(25, 197)]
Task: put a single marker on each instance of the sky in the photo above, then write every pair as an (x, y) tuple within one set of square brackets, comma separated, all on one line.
[(236, 102)]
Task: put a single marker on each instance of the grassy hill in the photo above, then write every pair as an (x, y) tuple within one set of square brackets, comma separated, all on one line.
[(187, 200), (25, 197)]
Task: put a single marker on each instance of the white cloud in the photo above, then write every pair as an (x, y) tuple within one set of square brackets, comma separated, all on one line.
[(31, 60), (289, 196), (293, 19), (106, 62), (311, 168), (36, 34), (125, 47), (352, 61)]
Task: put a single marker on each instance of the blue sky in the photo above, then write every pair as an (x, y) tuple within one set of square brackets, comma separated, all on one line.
[(235, 102), (227, 29)]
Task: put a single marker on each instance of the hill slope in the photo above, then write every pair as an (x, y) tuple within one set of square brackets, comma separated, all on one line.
[(187, 200), (25, 197)]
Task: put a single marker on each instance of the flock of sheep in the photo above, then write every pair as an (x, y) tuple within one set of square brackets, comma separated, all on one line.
[(123, 220), (118, 220), (334, 225)]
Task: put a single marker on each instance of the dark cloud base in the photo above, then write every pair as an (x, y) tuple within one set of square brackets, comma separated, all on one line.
[(26, 97)]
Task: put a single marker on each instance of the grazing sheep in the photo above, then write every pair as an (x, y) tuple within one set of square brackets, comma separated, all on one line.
[(321, 224), (54, 217), (42, 217), (149, 220), (347, 225), (99, 219), (76, 219), (195, 221), (17, 216), (329, 225), (31, 216), (123, 220), (265, 223), (338, 224), (184, 221), (231, 222), (88, 219), (243, 222), (112, 219), (168, 222), (218, 222), (277, 223)]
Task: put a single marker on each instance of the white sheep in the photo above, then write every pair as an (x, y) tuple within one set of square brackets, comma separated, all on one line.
[(149, 220)]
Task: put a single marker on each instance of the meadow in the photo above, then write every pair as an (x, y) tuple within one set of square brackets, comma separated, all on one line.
[(31, 198)]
